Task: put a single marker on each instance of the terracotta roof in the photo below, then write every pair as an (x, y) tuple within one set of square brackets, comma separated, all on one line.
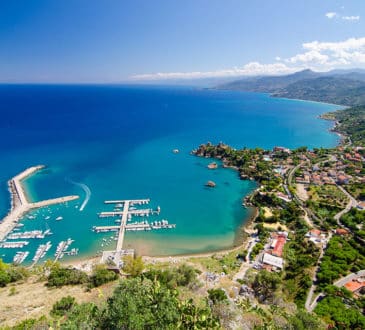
[(315, 232), (354, 285), (341, 231), (279, 246)]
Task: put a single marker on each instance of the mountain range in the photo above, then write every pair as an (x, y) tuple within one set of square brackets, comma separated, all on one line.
[(344, 87)]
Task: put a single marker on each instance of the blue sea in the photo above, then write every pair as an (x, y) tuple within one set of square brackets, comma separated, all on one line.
[(118, 141)]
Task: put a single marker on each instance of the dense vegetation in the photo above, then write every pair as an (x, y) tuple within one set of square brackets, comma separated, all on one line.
[(172, 278), (336, 311), (301, 255), (355, 220), (60, 276), (351, 123), (11, 273), (344, 89), (340, 258), (336, 90)]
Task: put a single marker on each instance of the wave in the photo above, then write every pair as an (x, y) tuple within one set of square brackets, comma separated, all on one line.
[(85, 188)]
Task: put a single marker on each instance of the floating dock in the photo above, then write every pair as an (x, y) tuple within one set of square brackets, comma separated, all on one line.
[(41, 252), (62, 248), (13, 245), (125, 210)]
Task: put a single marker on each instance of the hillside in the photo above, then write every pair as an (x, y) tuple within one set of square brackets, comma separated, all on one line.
[(337, 90), (268, 84), (351, 122), (345, 88)]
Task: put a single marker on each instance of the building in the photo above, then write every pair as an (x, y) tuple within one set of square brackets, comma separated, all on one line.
[(279, 246), (361, 206), (341, 231), (357, 286), (276, 262)]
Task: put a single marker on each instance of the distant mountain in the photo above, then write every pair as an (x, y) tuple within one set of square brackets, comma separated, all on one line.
[(268, 84), (337, 90), (338, 87)]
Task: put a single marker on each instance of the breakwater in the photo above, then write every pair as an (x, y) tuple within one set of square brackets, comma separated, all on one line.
[(20, 204)]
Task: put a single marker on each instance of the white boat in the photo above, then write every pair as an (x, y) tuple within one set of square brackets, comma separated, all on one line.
[(59, 218)]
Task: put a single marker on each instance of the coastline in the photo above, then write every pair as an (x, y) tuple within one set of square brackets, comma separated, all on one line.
[(87, 263), (19, 201)]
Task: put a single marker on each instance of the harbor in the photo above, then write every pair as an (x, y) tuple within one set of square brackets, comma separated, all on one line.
[(124, 210), (20, 204)]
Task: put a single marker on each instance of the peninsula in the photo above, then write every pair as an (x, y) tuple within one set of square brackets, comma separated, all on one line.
[(20, 203)]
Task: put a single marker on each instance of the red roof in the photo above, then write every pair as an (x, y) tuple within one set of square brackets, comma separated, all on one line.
[(354, 285), (341, 231), (315, 232), (279, 246)]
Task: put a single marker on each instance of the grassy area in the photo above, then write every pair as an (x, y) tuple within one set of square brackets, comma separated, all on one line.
[(326, 200), (227, 264)]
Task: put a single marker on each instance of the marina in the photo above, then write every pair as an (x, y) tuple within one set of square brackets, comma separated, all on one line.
[(20, 204), (125, 210)]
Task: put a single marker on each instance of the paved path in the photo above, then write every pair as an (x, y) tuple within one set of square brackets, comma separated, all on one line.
[(309, 305)]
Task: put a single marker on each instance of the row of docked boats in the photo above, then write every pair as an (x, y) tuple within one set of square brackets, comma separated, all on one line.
[(30, 234), (13, 245), (41, 251), (62, 248), (19, 257)]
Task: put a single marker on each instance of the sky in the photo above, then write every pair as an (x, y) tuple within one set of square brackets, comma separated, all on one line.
[(142, 40)]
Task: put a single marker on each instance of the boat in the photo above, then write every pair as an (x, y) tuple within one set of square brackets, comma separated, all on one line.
[(175, 151), (19, 257), (59, 218)]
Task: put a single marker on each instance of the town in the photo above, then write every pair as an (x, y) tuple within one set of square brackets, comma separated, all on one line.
[(310, 217)]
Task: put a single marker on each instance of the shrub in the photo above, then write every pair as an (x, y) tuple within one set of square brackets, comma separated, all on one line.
[(66, 276), (62, 306), (101, 275), (217, 295)]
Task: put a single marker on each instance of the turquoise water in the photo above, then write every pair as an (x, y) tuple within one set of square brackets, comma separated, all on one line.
[(118, 140)]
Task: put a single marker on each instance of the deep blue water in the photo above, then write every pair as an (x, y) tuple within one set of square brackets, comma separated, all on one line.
[(118, 140)]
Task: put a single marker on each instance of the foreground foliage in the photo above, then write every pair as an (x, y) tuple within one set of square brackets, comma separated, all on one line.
[(11, 273)]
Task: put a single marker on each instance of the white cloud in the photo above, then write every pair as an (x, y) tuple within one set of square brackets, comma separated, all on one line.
[(331, 14), (312, 56), (319, 56), (249, 69), (351, 18)]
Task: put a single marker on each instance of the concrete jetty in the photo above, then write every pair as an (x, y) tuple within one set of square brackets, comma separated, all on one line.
[(20, 203)]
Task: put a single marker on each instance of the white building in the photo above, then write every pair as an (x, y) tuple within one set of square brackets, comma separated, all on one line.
[(273, 261)]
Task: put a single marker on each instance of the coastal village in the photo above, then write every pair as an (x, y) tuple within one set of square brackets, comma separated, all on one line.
[(323, 187), (305, 237)]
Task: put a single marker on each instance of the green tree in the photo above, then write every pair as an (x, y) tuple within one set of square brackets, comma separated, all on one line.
[(265, 285), (101, 275), (217, 295), (61, 307), (143, 304), (133, 266)]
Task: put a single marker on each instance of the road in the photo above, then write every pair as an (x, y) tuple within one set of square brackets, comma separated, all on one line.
[(352, 203), (341, 282), (350, 277), (309, 305)]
